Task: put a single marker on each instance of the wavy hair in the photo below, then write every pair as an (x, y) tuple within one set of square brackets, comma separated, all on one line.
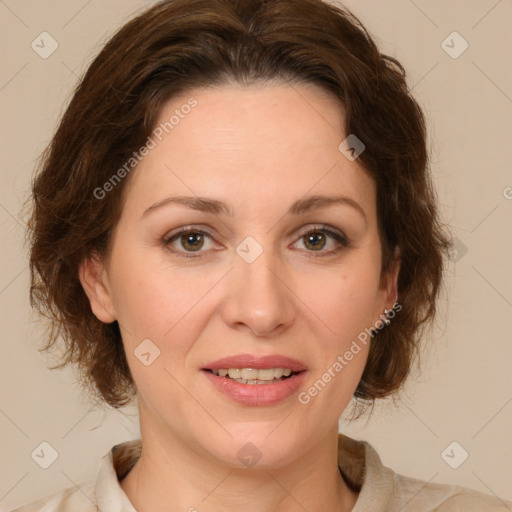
[(175, 46)]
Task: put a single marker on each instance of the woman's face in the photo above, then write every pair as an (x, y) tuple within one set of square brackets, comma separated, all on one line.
[(245, 285)]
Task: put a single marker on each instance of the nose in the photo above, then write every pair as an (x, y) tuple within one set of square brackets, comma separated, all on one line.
[(259, 297)]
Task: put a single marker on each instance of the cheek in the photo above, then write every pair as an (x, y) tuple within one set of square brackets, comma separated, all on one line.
[(172, 306), (344, 301), (344, 305), (151, 296), (158, 309), (165, 304)]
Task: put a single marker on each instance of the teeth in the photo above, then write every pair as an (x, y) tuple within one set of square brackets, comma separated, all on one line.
[(253, 375), (262, 374), (235, 373), (278, 372)]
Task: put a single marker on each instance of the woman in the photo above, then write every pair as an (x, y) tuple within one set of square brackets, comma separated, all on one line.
[(234, 223)]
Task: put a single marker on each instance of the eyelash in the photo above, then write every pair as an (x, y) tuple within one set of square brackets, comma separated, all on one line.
[(341, 239)]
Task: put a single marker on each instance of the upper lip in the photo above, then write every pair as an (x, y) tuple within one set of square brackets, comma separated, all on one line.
[(257, 362)]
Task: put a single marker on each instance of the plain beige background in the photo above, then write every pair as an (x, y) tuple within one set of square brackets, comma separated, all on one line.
[(465, 391)]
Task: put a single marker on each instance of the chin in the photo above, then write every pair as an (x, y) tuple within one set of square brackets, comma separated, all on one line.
[(255, 449)]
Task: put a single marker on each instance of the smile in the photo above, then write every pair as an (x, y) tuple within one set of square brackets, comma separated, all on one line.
[(254, 375), (256, 392)]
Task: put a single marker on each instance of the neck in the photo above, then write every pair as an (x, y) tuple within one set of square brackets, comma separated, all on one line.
[(171, 475)]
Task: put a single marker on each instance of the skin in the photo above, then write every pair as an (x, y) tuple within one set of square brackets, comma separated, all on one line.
[(259, 149)]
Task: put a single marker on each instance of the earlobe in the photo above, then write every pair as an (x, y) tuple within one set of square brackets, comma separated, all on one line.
[(388, 291), (92, 276), (389, 282), (392, 279)]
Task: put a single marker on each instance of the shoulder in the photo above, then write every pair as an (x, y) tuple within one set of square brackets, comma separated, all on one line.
[(77, 499), (421, 496), (100, 492), (382, 490)]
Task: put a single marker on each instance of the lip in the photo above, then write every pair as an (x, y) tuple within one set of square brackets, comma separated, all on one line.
[(257, 394), (257, 362)]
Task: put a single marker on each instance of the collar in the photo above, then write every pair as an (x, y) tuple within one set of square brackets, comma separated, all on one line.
[(359, 464)]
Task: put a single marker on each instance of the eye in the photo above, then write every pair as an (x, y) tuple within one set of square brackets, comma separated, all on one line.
[(190, 239), (316, 239)]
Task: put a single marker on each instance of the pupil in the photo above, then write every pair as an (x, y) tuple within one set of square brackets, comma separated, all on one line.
[(314, 238), (191, 240)]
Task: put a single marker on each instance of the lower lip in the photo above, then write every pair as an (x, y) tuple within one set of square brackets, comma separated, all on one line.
[(257, 394)]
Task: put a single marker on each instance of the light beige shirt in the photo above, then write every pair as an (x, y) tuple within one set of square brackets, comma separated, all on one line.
[(380, 489)]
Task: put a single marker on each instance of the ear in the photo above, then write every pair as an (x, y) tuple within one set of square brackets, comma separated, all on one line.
[(93, 276), (389, 281)]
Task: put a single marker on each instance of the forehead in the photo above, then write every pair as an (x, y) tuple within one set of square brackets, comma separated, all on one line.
[(273, 143)]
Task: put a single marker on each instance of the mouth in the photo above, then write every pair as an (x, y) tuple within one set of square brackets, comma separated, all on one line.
[(259, 389), (252, 380), (255, 376)]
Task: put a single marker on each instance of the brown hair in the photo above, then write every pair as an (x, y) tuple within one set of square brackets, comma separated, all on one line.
[(177, 45)]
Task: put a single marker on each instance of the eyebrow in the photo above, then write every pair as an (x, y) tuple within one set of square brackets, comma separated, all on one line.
[(301, 206)]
